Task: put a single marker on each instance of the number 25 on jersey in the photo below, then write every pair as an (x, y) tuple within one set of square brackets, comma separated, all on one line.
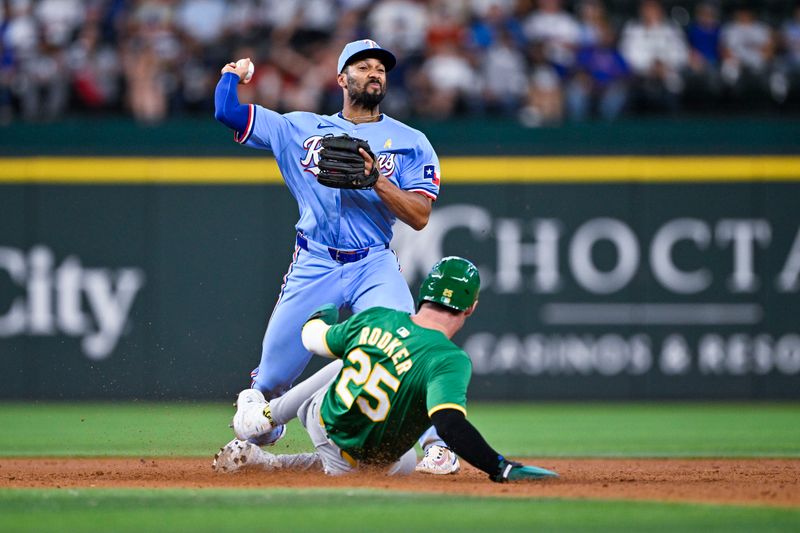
[(369, 378)]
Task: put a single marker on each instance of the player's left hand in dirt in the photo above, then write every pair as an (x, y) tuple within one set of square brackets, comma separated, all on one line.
[(347, 163), (328, 313), (514, 471)]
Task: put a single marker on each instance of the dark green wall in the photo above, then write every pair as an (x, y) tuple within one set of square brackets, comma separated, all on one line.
[(190, 273), (200, 267), (452, 137)]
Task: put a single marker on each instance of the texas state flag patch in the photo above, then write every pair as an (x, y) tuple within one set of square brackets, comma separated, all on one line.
[(429, 172)]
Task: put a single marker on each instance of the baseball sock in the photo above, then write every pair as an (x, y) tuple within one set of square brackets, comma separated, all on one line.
[(285, 408)]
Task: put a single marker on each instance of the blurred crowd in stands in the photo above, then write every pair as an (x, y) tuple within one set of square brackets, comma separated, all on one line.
[(540, 61)]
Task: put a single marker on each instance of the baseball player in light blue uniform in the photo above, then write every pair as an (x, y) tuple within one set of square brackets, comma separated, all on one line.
[(342, 252)]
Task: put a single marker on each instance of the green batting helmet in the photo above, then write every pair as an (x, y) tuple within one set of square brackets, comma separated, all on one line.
[(452, 282)]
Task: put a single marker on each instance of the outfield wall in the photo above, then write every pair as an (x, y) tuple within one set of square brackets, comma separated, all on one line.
[(604, 277)]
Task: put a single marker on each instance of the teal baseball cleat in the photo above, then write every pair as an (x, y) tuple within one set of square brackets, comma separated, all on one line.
[(514, 471), (530, 472)]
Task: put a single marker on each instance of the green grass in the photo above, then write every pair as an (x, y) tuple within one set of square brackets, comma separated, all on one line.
[(120, 429), (539, 430), (642, 430), (93, 510)]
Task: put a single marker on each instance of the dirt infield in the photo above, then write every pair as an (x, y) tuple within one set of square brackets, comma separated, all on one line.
[(772, 482)]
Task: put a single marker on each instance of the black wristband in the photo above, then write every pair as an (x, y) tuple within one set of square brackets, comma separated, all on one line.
[(465, 440)]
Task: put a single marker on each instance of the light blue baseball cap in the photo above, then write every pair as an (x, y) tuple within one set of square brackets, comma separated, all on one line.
[(366, 48)]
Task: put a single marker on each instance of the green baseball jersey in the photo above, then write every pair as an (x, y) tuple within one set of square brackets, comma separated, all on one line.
[(395, 375)]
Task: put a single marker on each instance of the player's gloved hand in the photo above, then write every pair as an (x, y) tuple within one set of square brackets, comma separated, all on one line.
[(341, 165), (514, 471), (328, 313)]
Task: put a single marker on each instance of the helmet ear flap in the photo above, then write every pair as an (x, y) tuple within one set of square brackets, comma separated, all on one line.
[(453, 282)]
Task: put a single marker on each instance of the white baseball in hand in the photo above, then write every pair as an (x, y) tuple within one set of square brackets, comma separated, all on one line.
[(251, 68)]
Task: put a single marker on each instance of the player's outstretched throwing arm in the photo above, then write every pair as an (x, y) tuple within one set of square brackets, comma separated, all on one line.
[(227, 108), (464, 439)]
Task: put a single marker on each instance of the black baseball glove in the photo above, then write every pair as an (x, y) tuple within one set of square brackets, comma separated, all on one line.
[(341, 165)]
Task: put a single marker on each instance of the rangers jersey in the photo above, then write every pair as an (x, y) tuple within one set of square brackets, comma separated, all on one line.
[(344, 219)]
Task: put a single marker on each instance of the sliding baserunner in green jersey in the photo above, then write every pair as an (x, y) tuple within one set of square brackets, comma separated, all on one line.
[(398, 374)]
